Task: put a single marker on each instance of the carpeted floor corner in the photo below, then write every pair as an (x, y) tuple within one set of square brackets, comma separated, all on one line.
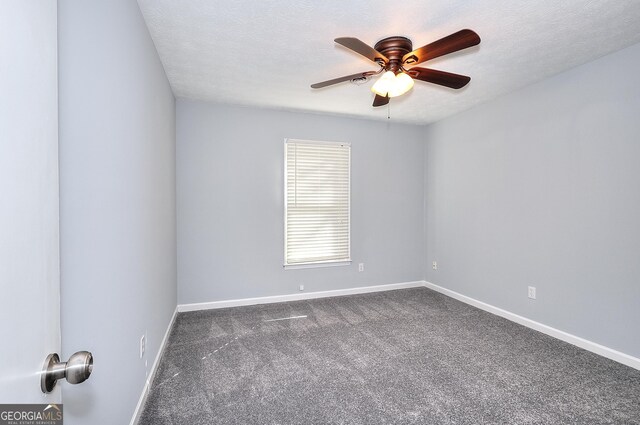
[(409, 356)]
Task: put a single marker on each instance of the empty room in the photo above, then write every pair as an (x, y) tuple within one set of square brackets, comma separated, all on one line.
[(319, 212)]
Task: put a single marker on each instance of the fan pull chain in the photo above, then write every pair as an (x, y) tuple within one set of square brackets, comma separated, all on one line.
[(389, 110)]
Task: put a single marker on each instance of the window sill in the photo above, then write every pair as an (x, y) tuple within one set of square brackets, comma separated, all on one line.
[(317, 265)]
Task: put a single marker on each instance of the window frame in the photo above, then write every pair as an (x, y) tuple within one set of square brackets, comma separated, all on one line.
[(314, 264)]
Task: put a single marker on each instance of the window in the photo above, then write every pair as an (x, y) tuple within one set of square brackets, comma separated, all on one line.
[(317, 203)]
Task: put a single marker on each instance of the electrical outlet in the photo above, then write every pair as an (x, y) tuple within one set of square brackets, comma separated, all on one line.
[(434, 265), (143, 344), (360, 267), (301, 287), (532, 292)]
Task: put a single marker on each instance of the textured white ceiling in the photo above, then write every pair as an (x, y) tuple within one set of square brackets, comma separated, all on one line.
[(266, 53)]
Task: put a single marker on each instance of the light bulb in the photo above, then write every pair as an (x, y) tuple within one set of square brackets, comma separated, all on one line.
[(384, 83), (401, 84)]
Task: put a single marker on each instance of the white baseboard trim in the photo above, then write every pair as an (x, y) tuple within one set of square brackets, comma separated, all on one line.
[(297, 297), (596, 348), (154, 369)]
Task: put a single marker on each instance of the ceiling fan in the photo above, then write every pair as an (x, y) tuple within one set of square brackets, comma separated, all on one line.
[(394, 53)]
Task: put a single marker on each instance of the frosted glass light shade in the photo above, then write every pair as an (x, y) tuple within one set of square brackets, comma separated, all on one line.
[(402, 83), (392, 85), (381, 87)]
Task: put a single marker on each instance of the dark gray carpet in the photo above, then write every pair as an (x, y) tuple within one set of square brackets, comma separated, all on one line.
[(400, 357)]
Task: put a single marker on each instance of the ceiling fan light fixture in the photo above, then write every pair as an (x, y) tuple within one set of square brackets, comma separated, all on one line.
[(384, 83), (402, 83), (392, 85), (394, 53)]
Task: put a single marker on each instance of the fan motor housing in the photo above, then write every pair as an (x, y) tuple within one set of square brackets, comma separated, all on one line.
[(394, 48)]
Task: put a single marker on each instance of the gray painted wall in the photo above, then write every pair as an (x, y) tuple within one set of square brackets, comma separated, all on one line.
[(542, 188), (230, 202), (117, 206)]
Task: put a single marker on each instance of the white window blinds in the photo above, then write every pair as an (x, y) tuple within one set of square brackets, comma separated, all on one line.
[(317, 192)]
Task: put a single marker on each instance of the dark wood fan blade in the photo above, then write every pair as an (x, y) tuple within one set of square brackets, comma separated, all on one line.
[(449, 44), (341, 79), (447, 79), (380, 100), (362, 48)]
